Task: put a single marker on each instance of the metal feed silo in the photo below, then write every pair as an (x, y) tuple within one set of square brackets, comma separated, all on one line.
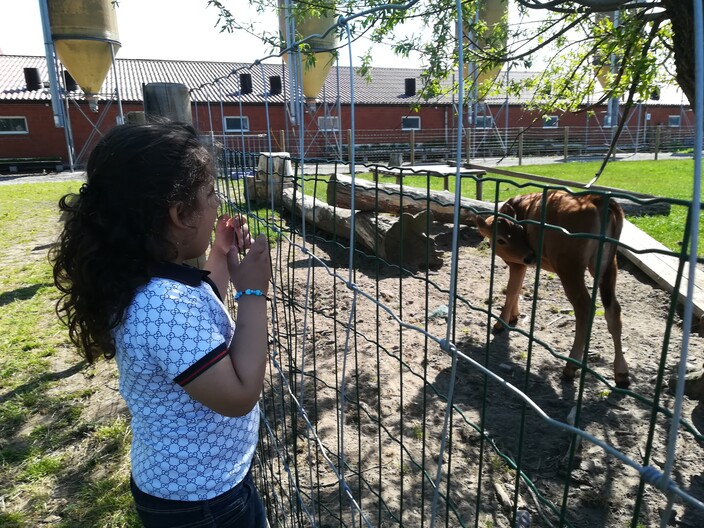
[(602, 65), (493, 14), (313, 75), (85, 39)]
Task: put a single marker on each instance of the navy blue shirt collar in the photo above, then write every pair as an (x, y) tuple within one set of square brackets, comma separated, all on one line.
[(178, 272), (182, 273)]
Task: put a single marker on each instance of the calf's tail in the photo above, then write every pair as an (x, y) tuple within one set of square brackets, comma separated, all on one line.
[(614, 226)]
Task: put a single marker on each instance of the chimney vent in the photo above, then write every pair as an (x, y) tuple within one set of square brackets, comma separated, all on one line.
[(69, 82), (245, 83), (410, 87), (274, 85), (32, 79)]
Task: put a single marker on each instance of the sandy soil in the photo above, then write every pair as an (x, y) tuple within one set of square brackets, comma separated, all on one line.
[(396, 381)]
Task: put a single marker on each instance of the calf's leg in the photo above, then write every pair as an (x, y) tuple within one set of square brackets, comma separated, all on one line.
[(509, 312), (573, 283), (612, 313)]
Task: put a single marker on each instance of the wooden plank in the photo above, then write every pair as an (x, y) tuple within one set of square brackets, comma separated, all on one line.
[(661, 268), (434, 170)]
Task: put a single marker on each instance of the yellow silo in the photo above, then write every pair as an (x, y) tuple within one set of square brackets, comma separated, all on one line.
[(314, 75), (602, 65), (493, 13), (85, 37)]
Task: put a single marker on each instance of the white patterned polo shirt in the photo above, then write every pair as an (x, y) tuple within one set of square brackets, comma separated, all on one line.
[(176, 328)]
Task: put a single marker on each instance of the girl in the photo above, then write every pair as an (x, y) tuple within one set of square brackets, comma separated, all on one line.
[(190, 380)]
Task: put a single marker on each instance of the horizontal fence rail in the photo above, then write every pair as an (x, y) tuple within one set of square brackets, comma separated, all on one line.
[(423, 146)]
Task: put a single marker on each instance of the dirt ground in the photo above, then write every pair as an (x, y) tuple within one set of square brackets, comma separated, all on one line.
[(397, 378)]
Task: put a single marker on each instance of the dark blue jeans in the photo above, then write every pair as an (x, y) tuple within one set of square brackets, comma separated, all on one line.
[(241, 506)]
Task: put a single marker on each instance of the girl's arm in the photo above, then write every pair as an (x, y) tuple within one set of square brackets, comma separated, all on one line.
[(232, 386)]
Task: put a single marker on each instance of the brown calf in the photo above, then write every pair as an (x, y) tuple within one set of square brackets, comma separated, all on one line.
[(566, 256)]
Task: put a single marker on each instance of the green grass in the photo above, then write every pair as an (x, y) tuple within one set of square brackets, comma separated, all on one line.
[(665, 178), (672, 179), (57, 458)]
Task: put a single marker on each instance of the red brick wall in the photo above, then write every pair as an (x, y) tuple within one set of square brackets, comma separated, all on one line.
[(44, 139)]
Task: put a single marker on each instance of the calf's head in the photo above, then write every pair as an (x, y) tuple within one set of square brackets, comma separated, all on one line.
[(511, 241)]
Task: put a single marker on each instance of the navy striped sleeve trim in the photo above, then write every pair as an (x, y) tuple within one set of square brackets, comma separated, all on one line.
[(201, 365)]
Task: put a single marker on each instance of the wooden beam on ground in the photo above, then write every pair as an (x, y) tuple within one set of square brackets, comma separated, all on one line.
[(401, 240), (661, 268), (441, 171), (391, 198)]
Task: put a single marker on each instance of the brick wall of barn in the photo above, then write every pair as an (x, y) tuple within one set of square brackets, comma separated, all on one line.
[(374, 123)]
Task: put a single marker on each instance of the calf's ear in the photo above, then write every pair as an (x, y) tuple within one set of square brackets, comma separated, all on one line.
[(508, 210), (482, 225)]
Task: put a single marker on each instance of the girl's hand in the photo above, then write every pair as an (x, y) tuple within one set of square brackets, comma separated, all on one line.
[(253, 271), (231, 232), (224, 234), (243, 240)]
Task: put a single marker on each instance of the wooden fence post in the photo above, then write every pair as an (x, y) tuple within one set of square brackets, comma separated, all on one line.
[(349, 144), (282, 141), (413, 147), (565, 147), (468, 145), (658, 131), (520, 146)]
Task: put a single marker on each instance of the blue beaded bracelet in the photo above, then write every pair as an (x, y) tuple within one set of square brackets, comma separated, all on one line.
[(256, 293)]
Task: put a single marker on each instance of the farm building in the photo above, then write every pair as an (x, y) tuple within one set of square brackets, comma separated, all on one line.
[(244, 100)]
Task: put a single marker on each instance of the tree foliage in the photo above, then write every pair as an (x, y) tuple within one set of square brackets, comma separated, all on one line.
[(633, 47)]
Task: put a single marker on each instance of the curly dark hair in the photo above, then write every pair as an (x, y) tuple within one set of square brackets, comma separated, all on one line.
[(115, 228)]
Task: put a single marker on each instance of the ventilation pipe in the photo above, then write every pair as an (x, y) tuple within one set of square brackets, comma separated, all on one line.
[(274, 85), (32, 79), (245, 83), (410, 87), (169, 100), (69, 82)]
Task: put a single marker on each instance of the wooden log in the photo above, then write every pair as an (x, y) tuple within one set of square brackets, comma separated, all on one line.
[(274, 168), (388, 198), (631, 208), (400, 240)]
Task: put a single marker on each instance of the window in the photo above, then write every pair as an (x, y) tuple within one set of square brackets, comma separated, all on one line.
[(237, 124), (607, 121), (485, 122), (550, 121), (410, 123), (13, 125), (329, 123), (673, 121)]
